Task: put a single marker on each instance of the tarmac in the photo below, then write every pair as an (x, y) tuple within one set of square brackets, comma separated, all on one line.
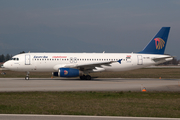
[(96, 84)]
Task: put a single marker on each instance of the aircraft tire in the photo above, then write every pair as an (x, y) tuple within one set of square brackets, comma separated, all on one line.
[(88, 77), (27, 78), (83, 77)]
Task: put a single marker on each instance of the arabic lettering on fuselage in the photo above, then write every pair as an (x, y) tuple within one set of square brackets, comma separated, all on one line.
[(40, 56)]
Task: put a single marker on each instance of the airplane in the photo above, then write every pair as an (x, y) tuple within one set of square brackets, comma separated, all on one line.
[(82, 64)]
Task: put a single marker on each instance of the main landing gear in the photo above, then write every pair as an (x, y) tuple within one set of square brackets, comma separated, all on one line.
[(85, 77), (27, 76)]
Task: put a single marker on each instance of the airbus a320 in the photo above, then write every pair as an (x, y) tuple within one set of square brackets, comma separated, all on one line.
[(82, 64)]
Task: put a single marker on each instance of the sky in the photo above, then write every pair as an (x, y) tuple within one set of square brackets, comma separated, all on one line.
[(113, 26)]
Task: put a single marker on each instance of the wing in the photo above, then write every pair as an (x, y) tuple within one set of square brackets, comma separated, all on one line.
[(91, 66), (86, 67)]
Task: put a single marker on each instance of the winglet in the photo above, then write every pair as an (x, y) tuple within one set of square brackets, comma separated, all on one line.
[(158, 44)]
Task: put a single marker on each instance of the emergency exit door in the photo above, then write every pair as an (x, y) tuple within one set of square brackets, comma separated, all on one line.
[(27, 60), (139, 60)]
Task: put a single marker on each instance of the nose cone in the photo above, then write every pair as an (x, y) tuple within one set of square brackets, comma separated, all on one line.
[(6, 65)]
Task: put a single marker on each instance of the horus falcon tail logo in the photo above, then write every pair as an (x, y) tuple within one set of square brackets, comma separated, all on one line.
[(65, 72), (159, 43)]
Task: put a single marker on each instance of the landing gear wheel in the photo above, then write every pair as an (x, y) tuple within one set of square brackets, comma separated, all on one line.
[(85, 77), (88, 77), (27, 78)]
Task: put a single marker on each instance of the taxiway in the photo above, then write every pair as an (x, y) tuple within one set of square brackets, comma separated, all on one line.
[(97, 84)]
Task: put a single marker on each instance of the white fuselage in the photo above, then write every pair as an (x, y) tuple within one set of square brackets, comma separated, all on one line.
[(51, 62)]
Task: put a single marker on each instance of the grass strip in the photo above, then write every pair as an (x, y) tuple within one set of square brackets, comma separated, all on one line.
[(137, 104)]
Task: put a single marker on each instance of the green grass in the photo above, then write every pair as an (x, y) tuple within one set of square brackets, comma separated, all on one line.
[(138, 104), (139, 73)]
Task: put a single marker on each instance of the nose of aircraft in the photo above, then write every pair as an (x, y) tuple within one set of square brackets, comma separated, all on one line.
[(5, 65)]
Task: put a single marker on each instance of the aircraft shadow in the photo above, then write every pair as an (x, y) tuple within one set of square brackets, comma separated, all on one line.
[(72, 79)]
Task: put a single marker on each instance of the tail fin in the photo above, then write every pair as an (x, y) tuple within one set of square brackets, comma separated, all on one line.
[(158, 44)]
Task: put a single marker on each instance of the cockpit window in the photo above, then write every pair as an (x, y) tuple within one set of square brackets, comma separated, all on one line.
[(17, 59)]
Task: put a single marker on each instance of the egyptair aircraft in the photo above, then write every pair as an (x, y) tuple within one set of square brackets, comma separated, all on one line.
[(81, 64)]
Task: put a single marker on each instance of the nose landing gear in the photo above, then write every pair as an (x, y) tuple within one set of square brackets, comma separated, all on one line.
[(27, 76)]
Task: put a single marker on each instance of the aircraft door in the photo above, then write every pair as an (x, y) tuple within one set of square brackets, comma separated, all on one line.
[(71, 59), (139, 60), (27, 60), (75, 60)]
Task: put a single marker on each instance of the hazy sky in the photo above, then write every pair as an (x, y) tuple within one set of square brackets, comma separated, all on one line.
[(86, 25)]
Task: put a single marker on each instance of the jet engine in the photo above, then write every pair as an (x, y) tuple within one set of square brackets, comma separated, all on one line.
[(68, 72)]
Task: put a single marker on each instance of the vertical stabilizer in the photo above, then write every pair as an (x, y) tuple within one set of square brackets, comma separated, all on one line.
[(158, 44)]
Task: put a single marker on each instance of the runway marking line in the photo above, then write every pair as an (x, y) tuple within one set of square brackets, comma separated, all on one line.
[(35, 115)]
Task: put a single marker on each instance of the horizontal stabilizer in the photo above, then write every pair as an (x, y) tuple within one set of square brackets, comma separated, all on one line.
[(162, 59)]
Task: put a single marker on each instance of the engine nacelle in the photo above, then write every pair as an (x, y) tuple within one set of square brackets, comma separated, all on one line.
[(67, 72)]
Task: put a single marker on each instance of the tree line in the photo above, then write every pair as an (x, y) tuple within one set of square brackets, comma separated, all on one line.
[(172, 62), (4, 58)]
